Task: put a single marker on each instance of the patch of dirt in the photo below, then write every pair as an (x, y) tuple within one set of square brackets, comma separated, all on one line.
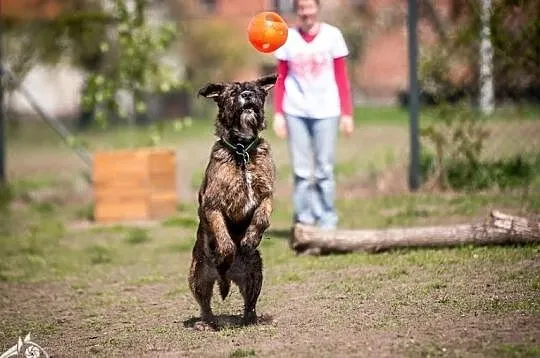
[(359, 311)]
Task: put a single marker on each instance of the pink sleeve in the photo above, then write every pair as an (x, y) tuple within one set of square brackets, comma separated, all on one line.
[(279, 89), (342, 81)]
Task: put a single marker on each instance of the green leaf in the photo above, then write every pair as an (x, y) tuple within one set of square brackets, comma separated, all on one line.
[(140, 107), (104, 47)]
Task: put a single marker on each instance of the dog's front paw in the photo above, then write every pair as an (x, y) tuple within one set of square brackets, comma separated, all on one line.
[(249, 244), (225, 251)]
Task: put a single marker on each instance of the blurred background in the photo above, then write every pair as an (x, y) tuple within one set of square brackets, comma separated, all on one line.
[(124, 74), (83, 77)]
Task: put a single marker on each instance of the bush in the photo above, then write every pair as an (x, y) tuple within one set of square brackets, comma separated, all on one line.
[(452, 157), (454, 133), (214, 51), (135, 65), (449, 68), (503, 174)]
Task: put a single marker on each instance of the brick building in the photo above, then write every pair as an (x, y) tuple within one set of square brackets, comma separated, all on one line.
[(29, 9)]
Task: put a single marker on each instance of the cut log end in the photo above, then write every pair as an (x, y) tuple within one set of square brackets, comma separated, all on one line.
[(499, 228)]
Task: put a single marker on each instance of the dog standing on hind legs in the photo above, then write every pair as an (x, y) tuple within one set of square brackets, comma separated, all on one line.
[(235, 199)]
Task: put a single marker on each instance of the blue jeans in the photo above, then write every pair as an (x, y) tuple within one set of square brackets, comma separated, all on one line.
[(312, 145)]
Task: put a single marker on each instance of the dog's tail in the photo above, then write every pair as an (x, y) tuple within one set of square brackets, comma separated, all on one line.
[(224, 286)]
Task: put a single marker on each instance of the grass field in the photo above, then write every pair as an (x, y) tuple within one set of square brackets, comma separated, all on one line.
[(83, 289)]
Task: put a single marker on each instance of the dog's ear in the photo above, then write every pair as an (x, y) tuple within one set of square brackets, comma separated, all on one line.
[(266, 82), (211, 90)]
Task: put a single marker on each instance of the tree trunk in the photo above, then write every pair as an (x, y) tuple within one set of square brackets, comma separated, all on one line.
[(486, 61), (499, 228)]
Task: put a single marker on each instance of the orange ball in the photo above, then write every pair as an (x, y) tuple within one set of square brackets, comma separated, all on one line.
[(267, 31)]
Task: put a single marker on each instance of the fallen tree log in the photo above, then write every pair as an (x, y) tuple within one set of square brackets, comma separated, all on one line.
[(498, 228)]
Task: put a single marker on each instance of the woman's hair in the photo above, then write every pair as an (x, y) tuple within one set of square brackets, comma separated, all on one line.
[(295, 4)]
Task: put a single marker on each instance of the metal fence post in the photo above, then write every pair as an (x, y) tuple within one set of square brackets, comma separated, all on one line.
[(2, 122), (414, 169), (2, 140)]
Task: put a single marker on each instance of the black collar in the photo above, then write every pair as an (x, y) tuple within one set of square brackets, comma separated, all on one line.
[(241, 151)]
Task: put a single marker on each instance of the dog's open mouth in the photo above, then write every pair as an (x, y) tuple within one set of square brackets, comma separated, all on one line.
[(247, 113), (249, 106), (248, 118)]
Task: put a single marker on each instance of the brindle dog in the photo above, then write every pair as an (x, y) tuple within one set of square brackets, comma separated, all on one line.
[(235, 199)]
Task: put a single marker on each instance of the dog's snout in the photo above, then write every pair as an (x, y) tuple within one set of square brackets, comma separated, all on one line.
[(246, 94)]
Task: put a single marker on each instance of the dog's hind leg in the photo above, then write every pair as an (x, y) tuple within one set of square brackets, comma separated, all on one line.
[(247, 274), (201, 283)]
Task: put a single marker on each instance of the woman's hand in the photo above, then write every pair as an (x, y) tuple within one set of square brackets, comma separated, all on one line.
[(279, 125), (346, 125)]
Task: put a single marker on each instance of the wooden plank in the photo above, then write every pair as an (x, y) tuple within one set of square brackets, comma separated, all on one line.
[(162, 196), (162, 204), (161, 209), (121, 184), (162, 183), (109, 165), (125, 174), (122, 210), (162, 170), (161, 162), (112, 194)]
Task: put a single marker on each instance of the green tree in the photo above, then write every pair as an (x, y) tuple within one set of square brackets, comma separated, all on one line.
[(515, 35), (214, 51), (28, 42), (134, 52)]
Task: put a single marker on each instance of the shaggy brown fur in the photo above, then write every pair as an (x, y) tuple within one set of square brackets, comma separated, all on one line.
[(235, 199)]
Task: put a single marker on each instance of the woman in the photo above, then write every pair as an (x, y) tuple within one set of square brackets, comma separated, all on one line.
[(311, 100)]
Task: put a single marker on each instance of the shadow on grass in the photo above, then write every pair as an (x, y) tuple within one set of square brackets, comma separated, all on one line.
[(229, 321)]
